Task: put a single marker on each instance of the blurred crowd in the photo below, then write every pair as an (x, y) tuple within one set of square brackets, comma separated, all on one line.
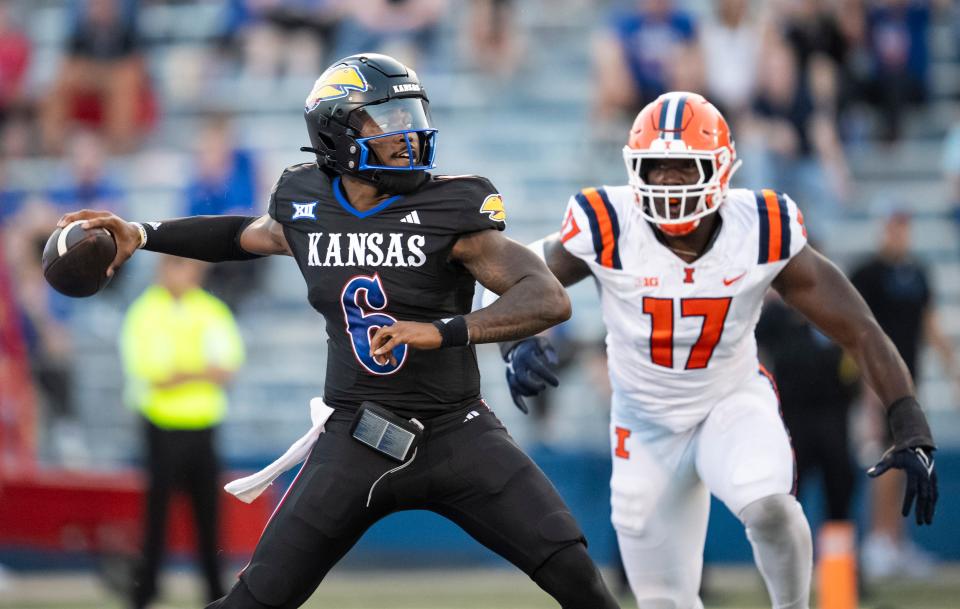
[(801, 81), (798, 79)]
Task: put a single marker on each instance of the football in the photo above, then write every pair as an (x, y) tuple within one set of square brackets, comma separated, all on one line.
[(75, 260)]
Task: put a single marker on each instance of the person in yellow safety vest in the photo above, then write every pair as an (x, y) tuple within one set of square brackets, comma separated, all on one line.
[(180, 345)]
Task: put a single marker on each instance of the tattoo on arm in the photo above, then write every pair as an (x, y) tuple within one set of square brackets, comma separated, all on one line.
[(531, 299)]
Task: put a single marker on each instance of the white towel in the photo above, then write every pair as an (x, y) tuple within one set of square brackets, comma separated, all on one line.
[(249, 488)]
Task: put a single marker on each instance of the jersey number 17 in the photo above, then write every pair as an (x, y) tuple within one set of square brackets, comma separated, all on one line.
[(661, 312)]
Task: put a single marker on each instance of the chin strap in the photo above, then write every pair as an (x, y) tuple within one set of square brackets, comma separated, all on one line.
[(387, 182), (396, 182)]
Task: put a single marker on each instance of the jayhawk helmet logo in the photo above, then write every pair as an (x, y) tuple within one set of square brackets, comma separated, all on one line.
[(493, 206), (336, 82)]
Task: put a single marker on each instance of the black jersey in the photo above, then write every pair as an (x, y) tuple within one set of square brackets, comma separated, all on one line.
[(389, 263)]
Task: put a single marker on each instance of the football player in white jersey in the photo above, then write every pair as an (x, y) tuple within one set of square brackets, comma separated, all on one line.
[(682, 263)]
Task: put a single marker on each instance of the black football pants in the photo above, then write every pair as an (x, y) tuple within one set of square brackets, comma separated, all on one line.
[(185, 460), (466, 468)]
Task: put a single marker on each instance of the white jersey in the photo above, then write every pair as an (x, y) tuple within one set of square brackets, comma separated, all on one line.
[(680, 336)]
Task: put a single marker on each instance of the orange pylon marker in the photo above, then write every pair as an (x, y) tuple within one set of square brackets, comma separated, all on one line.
[(837, 565)]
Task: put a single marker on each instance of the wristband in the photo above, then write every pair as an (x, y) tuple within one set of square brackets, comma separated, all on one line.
[(453, 331), (908, 425), (143, 234)]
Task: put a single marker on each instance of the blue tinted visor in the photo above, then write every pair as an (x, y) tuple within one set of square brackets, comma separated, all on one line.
[(396, 135)]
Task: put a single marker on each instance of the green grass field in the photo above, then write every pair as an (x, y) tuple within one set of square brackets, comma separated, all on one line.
[(455, 589)]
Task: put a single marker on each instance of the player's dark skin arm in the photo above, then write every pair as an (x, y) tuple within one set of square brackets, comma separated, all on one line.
[(567, 268), (815, 286), (265, 237), (531, 299)]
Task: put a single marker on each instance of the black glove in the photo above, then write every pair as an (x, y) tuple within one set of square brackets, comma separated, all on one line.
[(917, 463), (529, 369)]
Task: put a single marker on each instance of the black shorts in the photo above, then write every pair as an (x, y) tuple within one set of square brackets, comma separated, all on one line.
[(466, 468)]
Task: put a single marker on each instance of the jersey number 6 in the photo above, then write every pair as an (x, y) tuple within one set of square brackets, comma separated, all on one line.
[(660, 310), (362, 321)]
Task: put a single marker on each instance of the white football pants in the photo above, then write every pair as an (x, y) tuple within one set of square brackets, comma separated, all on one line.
[(660, 495)]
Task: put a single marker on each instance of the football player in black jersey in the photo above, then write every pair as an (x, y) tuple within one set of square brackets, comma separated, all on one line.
[(390, 254)]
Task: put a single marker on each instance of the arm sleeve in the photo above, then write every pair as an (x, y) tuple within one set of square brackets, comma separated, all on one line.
[(208, 238)]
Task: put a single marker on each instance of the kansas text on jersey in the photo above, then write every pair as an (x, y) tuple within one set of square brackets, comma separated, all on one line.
[(369, 269)]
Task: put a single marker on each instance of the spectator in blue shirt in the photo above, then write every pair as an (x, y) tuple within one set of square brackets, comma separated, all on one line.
[(225, 178), (897, 39), (11, 198), (224, 184), (645, 52)]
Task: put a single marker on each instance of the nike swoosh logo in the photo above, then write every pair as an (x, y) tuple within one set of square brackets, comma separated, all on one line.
[(926, 461), (734, 279)]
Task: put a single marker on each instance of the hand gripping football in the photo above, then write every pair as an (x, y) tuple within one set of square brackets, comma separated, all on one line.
[(75, 260)]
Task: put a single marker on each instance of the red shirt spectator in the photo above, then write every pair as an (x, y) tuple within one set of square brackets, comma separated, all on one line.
[(14, 60)]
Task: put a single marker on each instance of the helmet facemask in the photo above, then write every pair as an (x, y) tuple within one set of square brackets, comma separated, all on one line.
[(691, 202), (395, 135)]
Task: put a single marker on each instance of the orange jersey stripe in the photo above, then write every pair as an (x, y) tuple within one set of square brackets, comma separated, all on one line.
[(606, 226), (776, 225)]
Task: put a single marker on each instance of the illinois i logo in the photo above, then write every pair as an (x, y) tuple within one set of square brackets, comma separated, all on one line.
[(493, 207), (336, 82)]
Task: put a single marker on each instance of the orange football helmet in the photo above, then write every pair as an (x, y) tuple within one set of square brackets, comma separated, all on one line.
[(681, 125)]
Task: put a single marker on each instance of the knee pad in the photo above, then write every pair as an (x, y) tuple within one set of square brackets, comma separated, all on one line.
[(571, 577), (768, 516), (265, 585), (560, 527), (633, 507)]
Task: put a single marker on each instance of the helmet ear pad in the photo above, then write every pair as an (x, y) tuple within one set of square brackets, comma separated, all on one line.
[(333, 148)]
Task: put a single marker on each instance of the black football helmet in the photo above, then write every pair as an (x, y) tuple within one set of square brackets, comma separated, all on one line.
[(358, 103)]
